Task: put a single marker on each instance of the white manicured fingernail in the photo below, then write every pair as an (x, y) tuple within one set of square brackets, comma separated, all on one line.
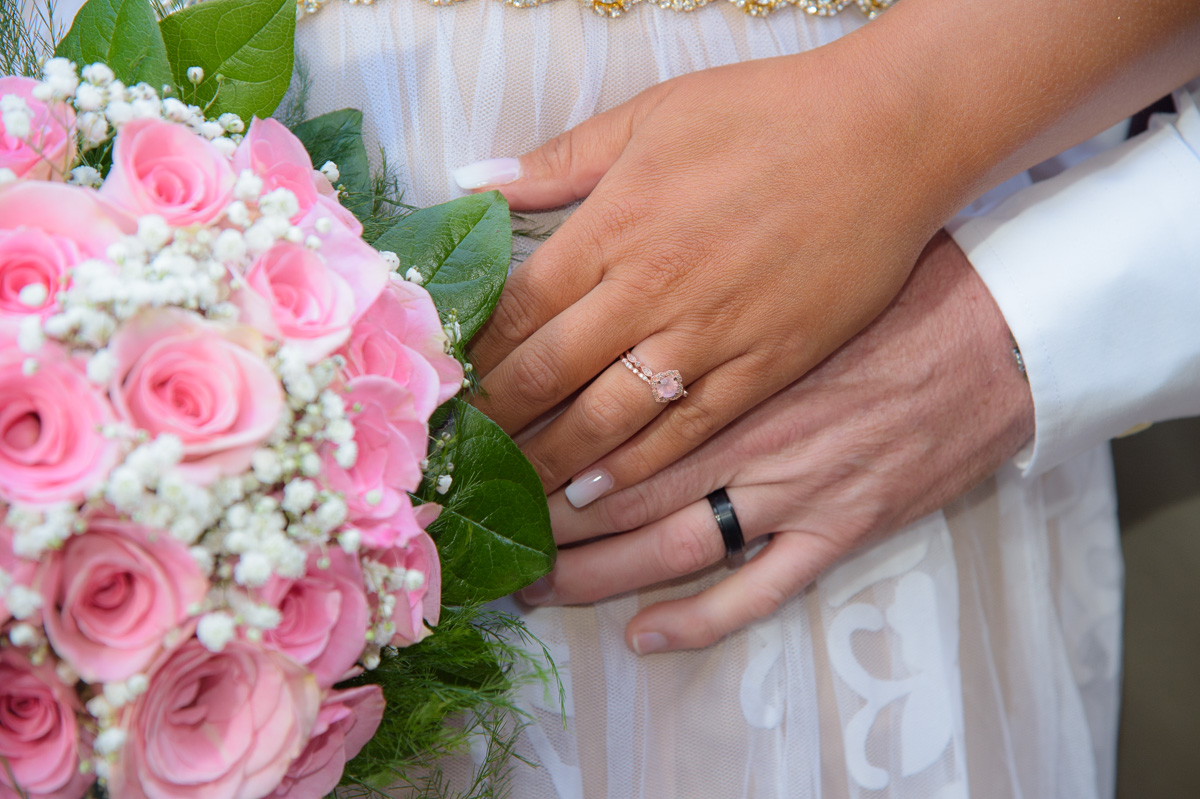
[(647, 643), (492, 172), (589, 487)]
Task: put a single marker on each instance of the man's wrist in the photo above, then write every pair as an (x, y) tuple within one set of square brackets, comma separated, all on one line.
[(979, 324)]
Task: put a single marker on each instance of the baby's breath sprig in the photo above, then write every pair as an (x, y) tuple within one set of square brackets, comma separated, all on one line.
[(456, 346), (103, 105)]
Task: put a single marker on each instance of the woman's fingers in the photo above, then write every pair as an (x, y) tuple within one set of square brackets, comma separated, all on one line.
[(788, 563), (557, 360), (537, 291), (609, 411), (682, 544), (684, 482), (657, 247), (560, 273), (571, 263), (713, 401), (562, 170)]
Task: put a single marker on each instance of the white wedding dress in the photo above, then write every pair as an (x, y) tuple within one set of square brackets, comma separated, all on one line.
[(974, 654)]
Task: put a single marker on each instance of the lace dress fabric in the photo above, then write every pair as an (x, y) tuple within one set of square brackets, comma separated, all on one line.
[(974, 654)]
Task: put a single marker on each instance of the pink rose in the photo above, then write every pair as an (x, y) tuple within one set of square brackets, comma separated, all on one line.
[(163, 168), (204, 382), (223, 725), (39, 734), (19, 570), (397, 530), (391, 438), (401, 337), (51, 445), (273, 152), (48, 151), (421, 602), (328, 206), (45, 229), (33, 258), (324, 616), (312, 300), (348, 719), (112, 594)]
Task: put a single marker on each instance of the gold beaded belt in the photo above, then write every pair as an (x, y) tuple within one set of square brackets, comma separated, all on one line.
[(615, 8)]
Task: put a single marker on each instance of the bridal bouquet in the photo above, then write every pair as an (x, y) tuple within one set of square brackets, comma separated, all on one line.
[(225, 526)]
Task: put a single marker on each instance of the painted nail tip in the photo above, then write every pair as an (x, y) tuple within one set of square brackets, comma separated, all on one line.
[(492, 172), (588, 488)]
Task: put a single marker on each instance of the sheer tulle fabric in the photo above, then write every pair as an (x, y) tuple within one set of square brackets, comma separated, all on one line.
[(974, 654)]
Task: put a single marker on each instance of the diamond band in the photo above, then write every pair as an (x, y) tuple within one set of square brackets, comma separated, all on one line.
[(665, 386)]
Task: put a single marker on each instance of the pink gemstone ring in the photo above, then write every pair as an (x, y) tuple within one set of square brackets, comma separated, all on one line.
[(665, 386)]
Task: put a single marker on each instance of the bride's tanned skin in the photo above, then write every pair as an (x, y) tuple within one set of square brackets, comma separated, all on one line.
[(740, 224), (743, 222)]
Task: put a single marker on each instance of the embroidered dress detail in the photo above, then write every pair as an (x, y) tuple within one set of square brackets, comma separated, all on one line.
[(615, 8)]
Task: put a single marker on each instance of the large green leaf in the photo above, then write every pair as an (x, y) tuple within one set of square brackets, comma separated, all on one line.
[(245, 47), (493, 534), (462, 250), (122, 34), (337, 137)]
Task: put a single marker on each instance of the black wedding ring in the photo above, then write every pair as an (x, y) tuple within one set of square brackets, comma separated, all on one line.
[(731, 531)]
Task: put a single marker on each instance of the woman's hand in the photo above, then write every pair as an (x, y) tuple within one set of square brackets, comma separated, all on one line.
[(913, 412), (740, 224)]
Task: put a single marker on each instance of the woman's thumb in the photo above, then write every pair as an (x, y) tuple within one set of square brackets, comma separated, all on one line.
[(562, 170)]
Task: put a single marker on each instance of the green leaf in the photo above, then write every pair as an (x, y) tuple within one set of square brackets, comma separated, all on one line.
[(337, 137), (245, 47), (493, 534), (462, 250), (122, 34)]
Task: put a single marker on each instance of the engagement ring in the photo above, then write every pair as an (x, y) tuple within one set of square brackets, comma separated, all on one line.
[(665, 386)]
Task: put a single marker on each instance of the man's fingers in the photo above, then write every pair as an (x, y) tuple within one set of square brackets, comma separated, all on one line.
[(683, 482), (682, 544), (788, 563)]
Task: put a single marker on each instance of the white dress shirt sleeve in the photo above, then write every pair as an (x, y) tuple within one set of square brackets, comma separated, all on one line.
[(1097, 272)]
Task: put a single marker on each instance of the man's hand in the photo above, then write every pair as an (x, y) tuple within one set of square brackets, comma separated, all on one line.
[(913, 412)]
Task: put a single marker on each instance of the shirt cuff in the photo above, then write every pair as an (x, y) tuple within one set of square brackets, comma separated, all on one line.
[(1097, 272)]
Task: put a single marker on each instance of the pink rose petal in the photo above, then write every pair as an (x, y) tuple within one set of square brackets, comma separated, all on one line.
[(112, 594), (208, 384), (215, 725), (163, 168)]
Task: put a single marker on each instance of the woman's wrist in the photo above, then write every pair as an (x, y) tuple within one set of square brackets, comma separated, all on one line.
[(973, 94)]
